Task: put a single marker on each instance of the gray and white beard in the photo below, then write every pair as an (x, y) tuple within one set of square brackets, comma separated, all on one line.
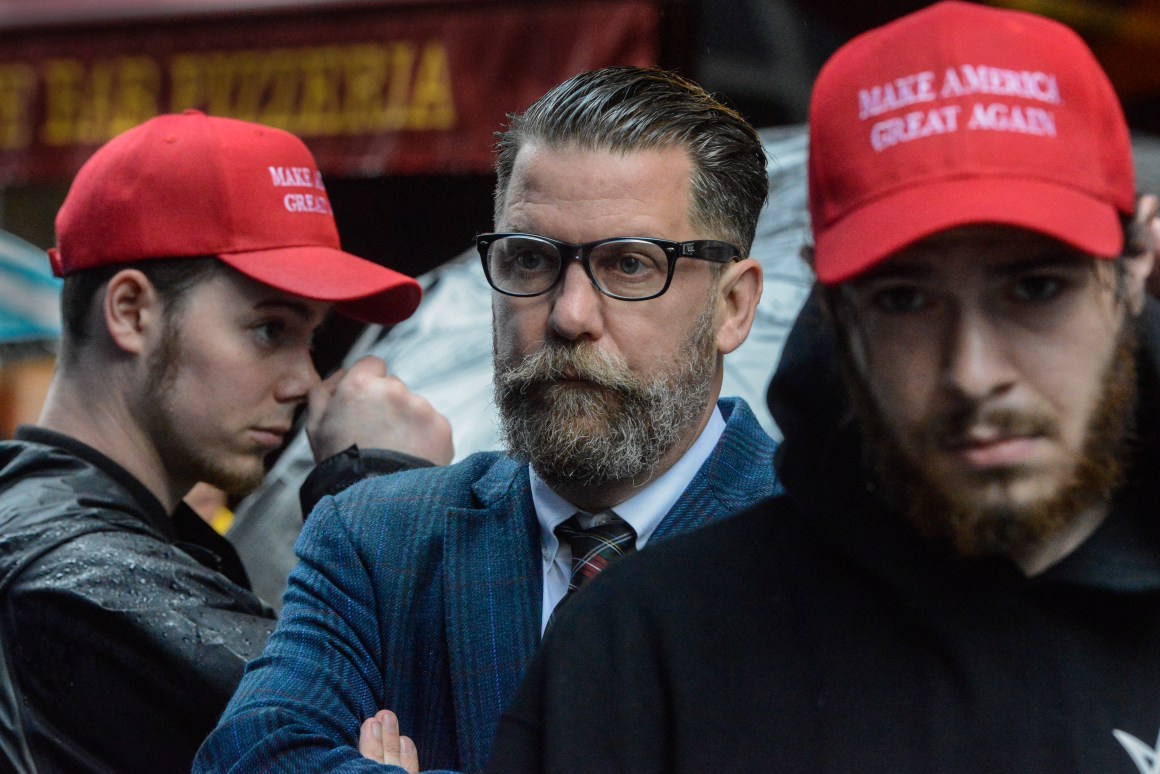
[(582, 418)]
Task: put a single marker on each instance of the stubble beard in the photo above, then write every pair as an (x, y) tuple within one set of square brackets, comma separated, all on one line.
[(160, 417), (611, 426), (957, 514)]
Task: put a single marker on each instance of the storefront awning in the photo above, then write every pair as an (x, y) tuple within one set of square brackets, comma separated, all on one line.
[(375, 89)]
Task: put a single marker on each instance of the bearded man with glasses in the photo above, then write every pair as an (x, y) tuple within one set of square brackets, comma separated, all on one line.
[(963, 572), (626, 203)]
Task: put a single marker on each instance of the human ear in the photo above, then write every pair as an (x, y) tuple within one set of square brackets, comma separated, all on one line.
[(131, 310), (738, 291)]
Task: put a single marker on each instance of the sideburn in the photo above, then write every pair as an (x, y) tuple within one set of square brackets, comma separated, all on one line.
[(165, 363)]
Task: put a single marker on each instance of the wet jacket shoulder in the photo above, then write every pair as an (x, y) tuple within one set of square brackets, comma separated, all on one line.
[(120, 633)]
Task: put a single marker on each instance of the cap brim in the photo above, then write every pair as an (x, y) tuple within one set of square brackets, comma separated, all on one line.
[(359, 288), (878, 229)]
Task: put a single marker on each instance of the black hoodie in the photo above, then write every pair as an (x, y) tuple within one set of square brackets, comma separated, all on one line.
[(818, 632)]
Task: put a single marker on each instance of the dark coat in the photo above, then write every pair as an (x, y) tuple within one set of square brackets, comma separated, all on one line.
[(818, 632), (122, 640), (422, 593)]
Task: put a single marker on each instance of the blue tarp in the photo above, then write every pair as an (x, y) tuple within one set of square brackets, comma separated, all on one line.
[(29, 294)]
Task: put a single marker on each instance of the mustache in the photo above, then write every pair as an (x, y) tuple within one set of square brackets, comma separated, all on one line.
[(956, 425), (556, 362)]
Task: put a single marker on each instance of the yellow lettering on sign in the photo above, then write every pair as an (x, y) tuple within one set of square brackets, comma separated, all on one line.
[(17, 87), (433, 104), (364, 70), (393, 114), (62, 86), (320, 111), (187, 80), (87, 106), (135, 98), (322, 91)]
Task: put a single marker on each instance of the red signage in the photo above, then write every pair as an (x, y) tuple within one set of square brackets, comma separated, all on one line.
[(396, 89)]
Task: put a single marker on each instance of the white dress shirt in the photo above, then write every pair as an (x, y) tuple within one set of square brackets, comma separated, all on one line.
[(643, 511)]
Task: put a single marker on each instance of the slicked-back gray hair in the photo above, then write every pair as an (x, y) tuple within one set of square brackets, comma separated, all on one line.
[(623, 109)]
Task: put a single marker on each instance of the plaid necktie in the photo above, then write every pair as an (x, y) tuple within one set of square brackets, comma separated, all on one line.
[(594, 547)]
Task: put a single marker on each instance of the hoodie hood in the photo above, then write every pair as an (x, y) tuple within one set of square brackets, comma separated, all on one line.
[(822, 465)]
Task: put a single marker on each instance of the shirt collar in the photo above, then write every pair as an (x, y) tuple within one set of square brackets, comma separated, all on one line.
[(150, 506), (645, 510)]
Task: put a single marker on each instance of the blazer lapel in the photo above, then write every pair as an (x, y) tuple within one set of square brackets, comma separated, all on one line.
[(493, 594), (737, 474)]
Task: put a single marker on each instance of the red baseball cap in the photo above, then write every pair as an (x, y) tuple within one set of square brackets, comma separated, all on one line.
[(190, 185), (960, 114)]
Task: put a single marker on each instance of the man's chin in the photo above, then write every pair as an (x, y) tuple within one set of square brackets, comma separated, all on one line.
[(240, 479), (1008, 496), (1000, 511)]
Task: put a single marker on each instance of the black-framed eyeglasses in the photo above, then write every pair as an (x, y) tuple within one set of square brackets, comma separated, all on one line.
[(628, 268)]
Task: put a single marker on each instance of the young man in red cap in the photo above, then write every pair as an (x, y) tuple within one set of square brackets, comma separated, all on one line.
[(199, 257), (964, 571)]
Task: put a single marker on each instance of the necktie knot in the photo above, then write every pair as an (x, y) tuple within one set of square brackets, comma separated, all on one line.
[(594, 547)]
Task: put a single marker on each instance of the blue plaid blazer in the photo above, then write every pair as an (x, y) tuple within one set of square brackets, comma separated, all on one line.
[(421, 592)]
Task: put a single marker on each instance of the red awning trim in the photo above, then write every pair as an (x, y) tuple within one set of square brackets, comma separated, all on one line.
[(51, 13), (374, 91)]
